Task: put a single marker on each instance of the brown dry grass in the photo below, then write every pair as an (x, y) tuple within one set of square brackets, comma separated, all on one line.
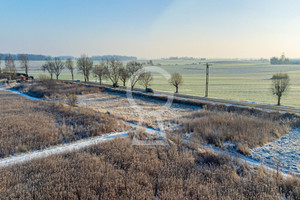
[(28, 124), (118, 170), (245, 131), (56, 89)]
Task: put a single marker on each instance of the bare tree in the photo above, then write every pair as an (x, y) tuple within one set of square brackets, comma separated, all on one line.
[(70, 66), (24, 62), (10, 67), (124, 75), (100, 71), (85, 65), (133, 67), (176, 80), (59, 65), (113, 68), (9, 62), (280, 85), (49, 67), (146, 79)]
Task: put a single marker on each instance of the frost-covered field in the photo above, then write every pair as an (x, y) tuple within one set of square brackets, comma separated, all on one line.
[(144, 109), (284, 152)]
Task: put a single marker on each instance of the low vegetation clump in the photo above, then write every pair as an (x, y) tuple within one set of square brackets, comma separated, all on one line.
[(47, 87), (118, 170), (244, 131), (30, 124), (72, 99)]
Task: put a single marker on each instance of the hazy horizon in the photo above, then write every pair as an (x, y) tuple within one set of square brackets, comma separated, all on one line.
[(152, 29)]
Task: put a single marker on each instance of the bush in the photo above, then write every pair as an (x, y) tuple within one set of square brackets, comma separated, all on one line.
[(243, 149), (72, 100), (47, 82)]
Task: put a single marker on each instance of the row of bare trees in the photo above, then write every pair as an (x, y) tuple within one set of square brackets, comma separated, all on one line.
[(111, 69), (115, 71), (10, 63)]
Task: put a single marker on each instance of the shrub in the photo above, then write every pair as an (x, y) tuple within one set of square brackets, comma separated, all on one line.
[(243, 149), (72, 100), (47, 82)]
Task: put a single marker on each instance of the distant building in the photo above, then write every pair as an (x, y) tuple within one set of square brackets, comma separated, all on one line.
[(280, 61)]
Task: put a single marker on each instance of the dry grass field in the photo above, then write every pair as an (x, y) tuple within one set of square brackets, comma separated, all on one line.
[(31, 124), (243, 131), (118, 170), (46, 88)]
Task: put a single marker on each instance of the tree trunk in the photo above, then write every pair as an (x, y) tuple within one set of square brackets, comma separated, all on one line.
[(132, 88), (278, 102), (26, 70), (124, 83), (176, 89), (100, 80), (85, 79), (72, 77), (57, 77), (51, 75)]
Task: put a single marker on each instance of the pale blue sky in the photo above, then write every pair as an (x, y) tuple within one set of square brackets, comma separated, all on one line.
[(151, 28)]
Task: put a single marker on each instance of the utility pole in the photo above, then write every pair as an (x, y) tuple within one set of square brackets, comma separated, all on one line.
[(207, 77)]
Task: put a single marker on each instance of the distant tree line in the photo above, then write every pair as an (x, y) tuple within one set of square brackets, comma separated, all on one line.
[(108, 57), (37, 57), (29, 56)]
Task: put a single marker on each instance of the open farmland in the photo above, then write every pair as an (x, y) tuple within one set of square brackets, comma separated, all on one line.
[(247, 81)]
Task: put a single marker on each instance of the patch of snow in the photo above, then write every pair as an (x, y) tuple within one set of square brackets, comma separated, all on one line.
[(283, 153), (248, 160)]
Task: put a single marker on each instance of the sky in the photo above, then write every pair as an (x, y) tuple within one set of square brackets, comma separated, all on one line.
[(151, 28)]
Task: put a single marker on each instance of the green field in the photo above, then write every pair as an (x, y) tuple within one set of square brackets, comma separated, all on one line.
[(249, 81)]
